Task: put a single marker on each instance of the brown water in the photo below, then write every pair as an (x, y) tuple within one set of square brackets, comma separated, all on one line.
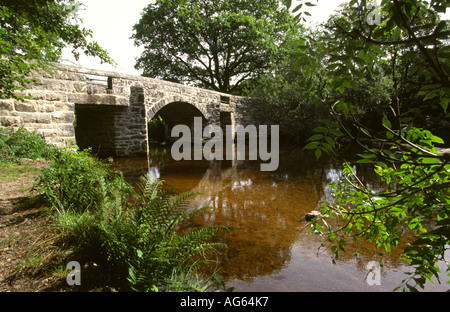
[(271, 250)]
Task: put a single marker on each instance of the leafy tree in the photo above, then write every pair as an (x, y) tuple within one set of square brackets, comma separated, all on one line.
[(287, 95), (213, 44), (293, 93), (33, 33), (410, 43)]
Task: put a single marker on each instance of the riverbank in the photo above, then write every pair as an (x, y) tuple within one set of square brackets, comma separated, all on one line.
[(78, 217), (22, 225)]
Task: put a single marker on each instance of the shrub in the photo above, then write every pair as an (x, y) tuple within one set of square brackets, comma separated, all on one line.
[(77, 181), (132, 235), (16, 145), (160, 256)]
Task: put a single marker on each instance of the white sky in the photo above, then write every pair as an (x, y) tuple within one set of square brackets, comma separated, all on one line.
[(112, 24)]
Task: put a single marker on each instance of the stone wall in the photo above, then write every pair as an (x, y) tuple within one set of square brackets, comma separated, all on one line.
[(46, 112), (106, 110), (49, 103), (131, 126)]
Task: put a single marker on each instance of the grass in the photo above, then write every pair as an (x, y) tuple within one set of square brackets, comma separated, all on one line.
[(60, 271), (13, 171), (31, 262), (9, 240)]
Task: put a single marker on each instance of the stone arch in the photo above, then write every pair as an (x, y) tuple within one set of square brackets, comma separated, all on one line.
[(175, 111), (157, 107)]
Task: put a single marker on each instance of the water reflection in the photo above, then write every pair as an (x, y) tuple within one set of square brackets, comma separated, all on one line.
[(271, 251)]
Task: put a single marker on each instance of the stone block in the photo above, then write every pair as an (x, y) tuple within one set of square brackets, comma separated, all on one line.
[(48, 132), (44, 119), (10, 121), (64, 75), (66, 130), (37, 94), (22, 93), (53, 96), (26, 106), (122, 101), (7, 105), (51, 85), (64, 106), (94, 99), (49, 108), (36, 118), (63, 117)]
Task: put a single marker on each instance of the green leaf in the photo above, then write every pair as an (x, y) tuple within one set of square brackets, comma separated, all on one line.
[(312, 145), (367, 156), (288, 3), (444, 103), (389, 135), (431, 95), (364, 161), (386, 122), (437, 139), (430, 160), (298, 7), (318, 153), (320, 129), (316, 137), (330, 142), (336, 132)]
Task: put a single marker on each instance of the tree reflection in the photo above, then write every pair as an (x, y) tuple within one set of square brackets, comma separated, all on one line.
[(268, 208)]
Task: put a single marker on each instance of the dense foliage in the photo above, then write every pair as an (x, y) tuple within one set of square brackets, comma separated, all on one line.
[(16, 145), (35, 32), (133, 236), (408, 49), (284, 97), (213, 44)]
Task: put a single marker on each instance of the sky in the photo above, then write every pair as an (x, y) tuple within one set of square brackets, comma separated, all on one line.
[(112, 24)]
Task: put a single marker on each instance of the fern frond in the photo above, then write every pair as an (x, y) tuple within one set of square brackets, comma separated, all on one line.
[(199, 241)]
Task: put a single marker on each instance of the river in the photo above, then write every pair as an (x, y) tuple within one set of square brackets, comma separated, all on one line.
[(271, 249)]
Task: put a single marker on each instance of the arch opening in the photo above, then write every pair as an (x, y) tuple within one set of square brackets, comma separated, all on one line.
[(95, 128), (177, 113)]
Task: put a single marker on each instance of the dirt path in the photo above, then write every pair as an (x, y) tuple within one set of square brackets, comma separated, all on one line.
[(22, 220)]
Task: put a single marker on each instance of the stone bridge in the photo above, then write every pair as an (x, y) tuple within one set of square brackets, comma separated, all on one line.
[(109, 111)]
